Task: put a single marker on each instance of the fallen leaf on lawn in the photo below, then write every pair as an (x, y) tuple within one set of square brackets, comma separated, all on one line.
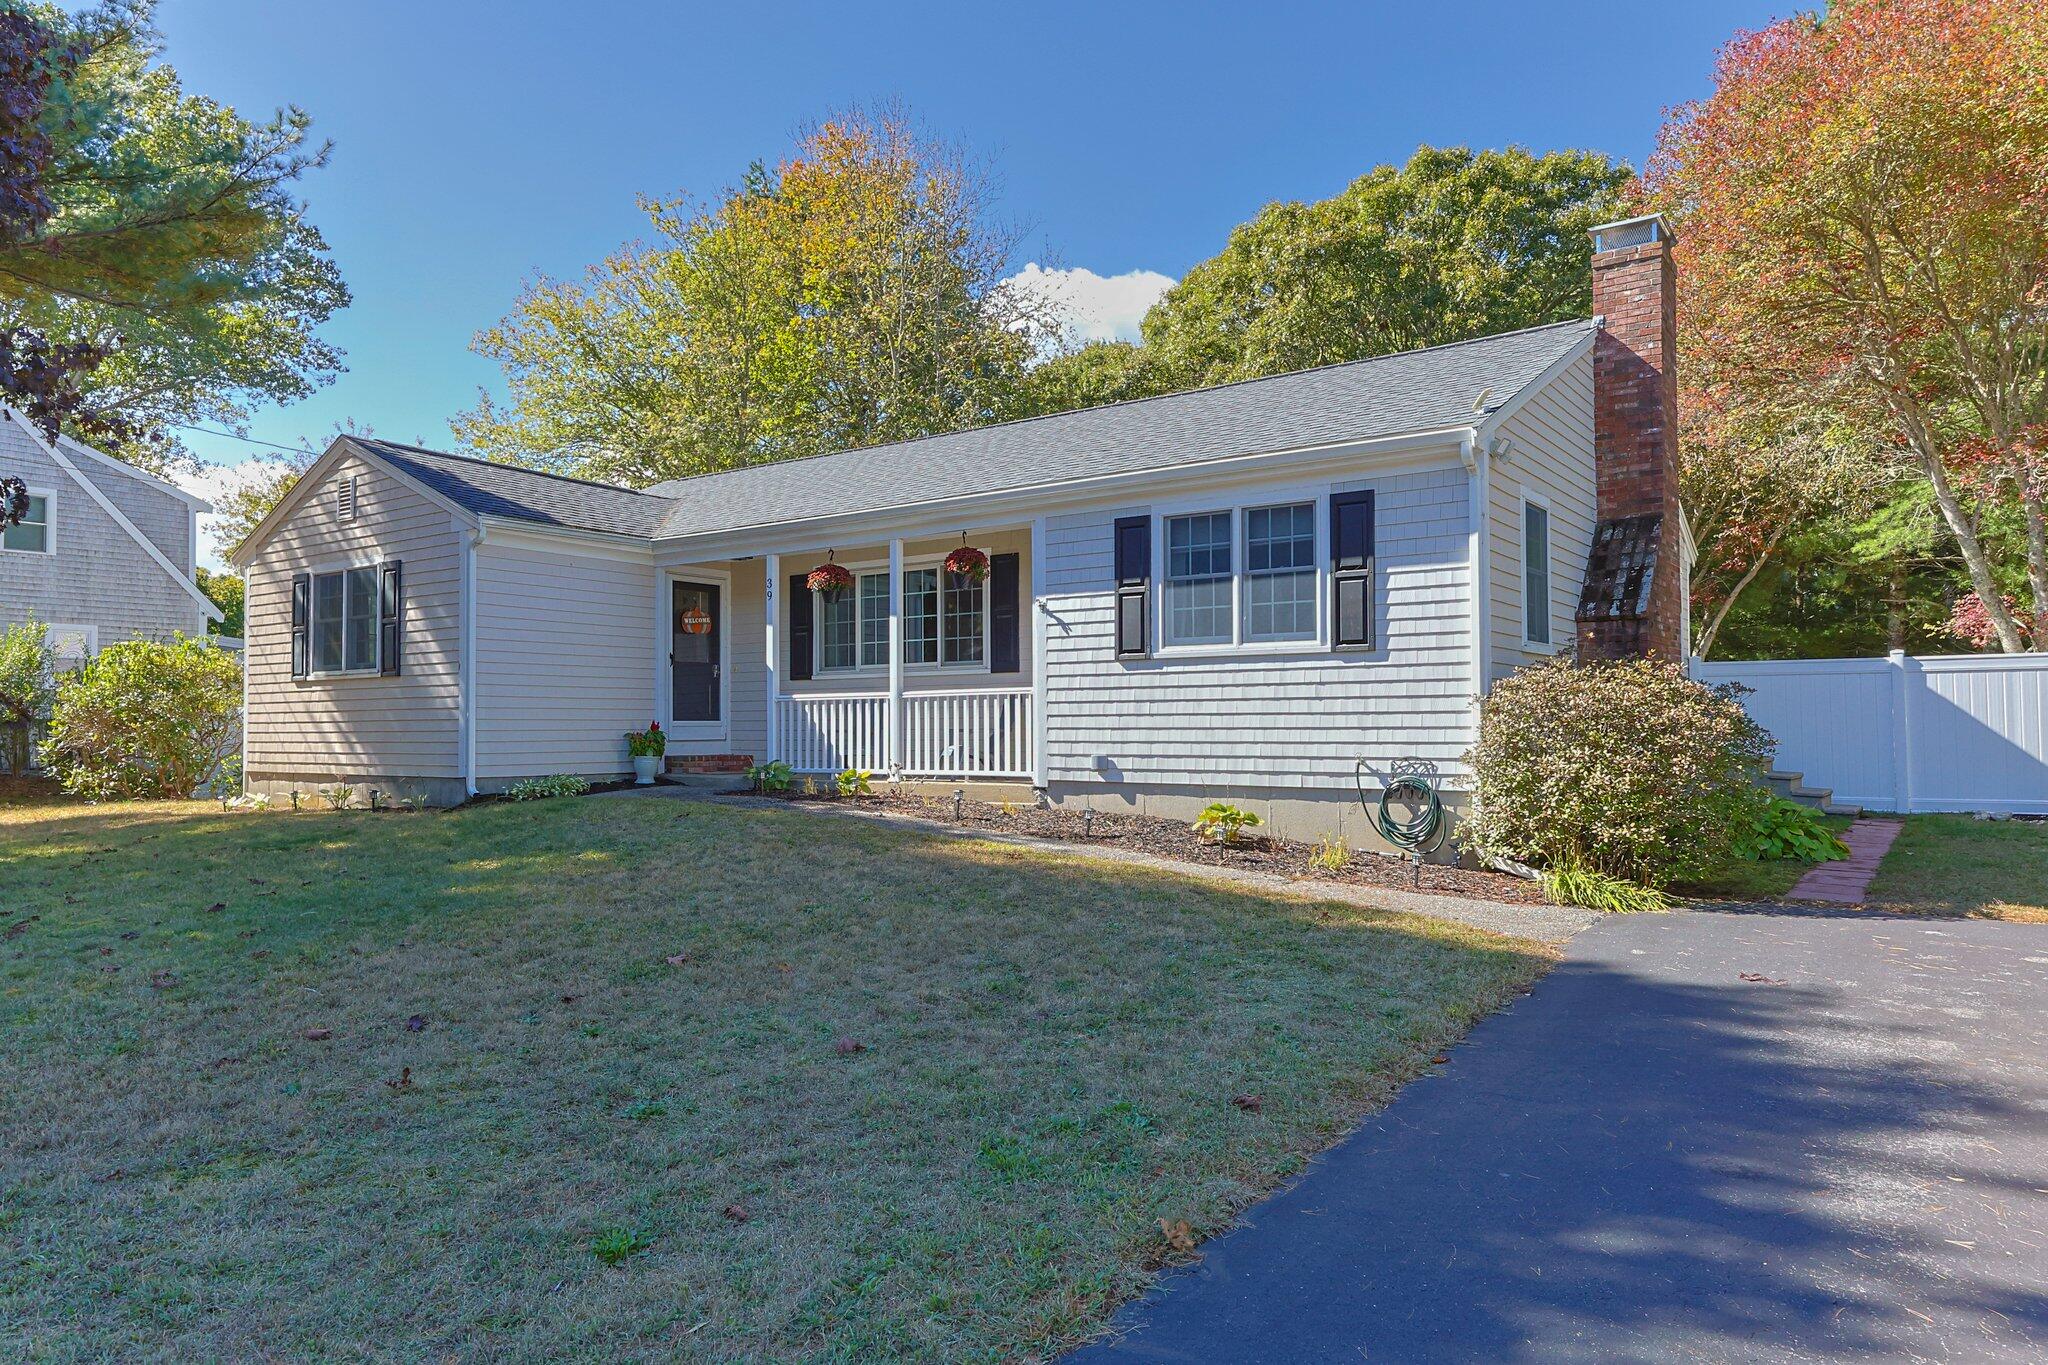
[(1178, 1235), (1760, 979), (569, 999), (737, 1213), (677, 959), (1440, 1059), (319, 1035), (784, 968), (1251, 1104), (416, 1023), (846, 1047), (132, 934), (162, 980), (21, 926), (260, 954), (404, 1081), (216, 907)]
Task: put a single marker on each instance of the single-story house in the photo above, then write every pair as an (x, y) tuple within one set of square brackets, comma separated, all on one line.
[(106, 551), (1251, 592)]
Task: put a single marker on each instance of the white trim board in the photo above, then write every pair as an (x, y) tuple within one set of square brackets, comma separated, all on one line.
[(106, 504)]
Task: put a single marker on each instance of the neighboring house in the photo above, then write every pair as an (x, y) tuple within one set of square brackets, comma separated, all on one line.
[(106, 553), (1235, 593)]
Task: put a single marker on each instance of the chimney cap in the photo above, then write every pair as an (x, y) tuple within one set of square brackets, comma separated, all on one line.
[(1628, 232)]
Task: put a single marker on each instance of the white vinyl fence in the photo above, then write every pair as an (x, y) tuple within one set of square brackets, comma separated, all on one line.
[(1905, 733)]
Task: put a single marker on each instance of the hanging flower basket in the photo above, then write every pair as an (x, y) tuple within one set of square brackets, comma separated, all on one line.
[(829, 577), (968, 563)]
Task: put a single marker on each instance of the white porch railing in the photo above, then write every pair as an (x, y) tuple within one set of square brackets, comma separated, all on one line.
[(945, 734)]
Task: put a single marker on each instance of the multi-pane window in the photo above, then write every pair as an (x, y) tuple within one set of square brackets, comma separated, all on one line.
[(344, 621), (945, 621), (1535, 573), (1198, 580), (1280, 572), (33, 530)]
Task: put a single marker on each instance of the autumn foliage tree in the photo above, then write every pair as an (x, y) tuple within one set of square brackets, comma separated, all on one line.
[(1864, 238), (855, 293)]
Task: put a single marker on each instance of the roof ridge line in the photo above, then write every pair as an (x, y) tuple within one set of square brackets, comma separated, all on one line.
[(515, 468), (1119, 403)]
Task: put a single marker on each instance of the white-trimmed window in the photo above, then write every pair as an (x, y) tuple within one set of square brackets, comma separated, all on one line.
[(1242, 576), (1199, 583), (945, 622), (344, 621), (31, 534), (1535, 572)]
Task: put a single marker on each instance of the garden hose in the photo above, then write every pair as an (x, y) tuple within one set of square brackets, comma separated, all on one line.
[(1421, 832)]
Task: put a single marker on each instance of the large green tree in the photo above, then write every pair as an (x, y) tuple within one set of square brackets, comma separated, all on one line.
[(161, 229), (1452, 245), (854, 293)]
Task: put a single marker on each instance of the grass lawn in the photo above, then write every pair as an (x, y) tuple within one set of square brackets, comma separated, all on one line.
[(1959, 865), (626, 1079), (1751, 879)]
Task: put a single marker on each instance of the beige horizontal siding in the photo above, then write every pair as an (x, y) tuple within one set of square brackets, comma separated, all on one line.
[(1552, 457), (565, 659), (360, 728)]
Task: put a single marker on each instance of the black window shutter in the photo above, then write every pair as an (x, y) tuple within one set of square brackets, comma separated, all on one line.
[(302, 612), (1133, 585), (1005, 648), (390, 611), (800, 628), (1351, 554)]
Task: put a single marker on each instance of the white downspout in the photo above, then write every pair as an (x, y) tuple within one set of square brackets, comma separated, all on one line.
[(468, 720), (894, 728), (771, 565), (1473, 453)]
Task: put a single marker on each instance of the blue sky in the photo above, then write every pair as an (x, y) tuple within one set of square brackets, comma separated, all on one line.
[(479, 144)]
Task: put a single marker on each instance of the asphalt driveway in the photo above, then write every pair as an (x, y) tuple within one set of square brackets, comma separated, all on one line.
[(1706, 1136)]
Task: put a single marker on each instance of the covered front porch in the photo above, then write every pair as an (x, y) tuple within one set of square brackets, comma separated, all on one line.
[(907, 671)]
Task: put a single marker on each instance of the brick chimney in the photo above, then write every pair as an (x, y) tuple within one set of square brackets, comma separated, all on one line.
[(1632, 603)]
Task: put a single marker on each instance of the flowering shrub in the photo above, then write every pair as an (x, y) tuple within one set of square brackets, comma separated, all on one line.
[(829, 578), (968, 563), (143, 719), (1629, 769), (648, 743)]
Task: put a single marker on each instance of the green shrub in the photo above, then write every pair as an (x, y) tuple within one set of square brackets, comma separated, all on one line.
[(1224, 822), (543, 788), (1577, 884), (772, 777), (856, 782), (1629, 768), (144, 719), (1786, 829), (27, 687)]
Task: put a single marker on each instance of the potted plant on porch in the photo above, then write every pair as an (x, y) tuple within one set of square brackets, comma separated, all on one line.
[(646, 746)]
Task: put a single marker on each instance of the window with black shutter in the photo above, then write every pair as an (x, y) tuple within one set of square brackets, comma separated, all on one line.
[(1005, 648), (1351, 552), (302, 616), (1133, 586), (390, 610), (800, 628)]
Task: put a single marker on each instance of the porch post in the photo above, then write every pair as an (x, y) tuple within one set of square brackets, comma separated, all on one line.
[(772, 566), (1039, 626), (895, 725)]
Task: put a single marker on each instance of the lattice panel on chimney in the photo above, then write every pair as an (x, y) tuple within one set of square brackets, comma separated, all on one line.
[(1621, 569)]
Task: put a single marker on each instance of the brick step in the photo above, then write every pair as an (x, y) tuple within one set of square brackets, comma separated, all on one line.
[(710, 763)]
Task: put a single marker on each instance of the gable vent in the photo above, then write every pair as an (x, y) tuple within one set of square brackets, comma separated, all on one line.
[(345, 498)]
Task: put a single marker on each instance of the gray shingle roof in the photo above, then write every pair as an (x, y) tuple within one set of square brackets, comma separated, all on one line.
[(1355, 401), (503, 490)]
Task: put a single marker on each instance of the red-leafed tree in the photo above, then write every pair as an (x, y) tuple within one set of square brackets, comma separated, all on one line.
[(1863, 208)]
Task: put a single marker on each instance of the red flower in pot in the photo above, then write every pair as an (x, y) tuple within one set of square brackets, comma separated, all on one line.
[(968, 563), (829, 577)]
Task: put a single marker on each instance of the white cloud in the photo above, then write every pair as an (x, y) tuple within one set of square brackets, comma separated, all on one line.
[(1096, 307), (212, 482)]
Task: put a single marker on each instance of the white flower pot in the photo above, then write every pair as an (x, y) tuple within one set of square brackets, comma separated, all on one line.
[(645, 766)]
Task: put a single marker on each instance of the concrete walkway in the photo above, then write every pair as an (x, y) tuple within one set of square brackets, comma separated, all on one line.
[(1707, 1136), (1846, 881)]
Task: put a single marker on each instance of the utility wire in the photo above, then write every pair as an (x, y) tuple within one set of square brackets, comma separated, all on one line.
[(229, 435)]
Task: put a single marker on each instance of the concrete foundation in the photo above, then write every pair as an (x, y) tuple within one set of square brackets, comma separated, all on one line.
[(1290, 813)]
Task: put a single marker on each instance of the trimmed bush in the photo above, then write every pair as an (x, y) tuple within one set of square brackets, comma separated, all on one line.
[(144, 720), (27, 687), (1629, 769)]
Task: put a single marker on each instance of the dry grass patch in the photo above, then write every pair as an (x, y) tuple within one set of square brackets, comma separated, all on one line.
[(635, 1078)]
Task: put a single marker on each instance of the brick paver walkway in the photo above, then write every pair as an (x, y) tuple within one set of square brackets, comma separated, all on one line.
[(1846, 881)]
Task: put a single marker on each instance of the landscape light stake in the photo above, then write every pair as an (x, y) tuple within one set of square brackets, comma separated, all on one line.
[(1088, 823), (374, 794), (295, 798), (959, 800)]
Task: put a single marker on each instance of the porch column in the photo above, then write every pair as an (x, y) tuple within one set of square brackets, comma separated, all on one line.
[(772, 566), (1039, 626), (895, 725)]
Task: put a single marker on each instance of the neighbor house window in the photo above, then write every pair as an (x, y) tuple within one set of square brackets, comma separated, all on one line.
[(1535, 573), (1198, 579), (344, 621), (945, 621), (1280, 572), (32, 532)]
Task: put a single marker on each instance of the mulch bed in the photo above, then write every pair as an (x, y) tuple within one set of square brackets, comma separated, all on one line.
[(1173, 839)]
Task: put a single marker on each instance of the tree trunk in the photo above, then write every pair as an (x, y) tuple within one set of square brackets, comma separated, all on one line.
[(1974, 559), (1895, 607), (2037, 554), (1713, 626)]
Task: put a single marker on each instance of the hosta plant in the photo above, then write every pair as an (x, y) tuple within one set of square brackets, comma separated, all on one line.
[(772, 777), (1224, 822), (544, 788), (856, 782), (1785, 829)]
